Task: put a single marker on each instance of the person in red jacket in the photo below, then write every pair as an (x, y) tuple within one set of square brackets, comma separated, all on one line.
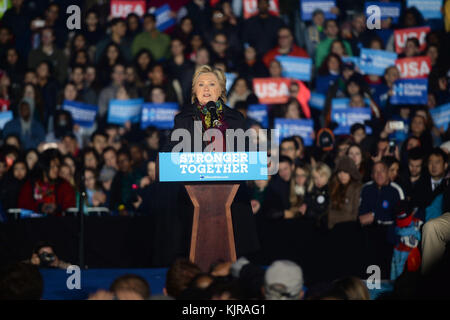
[(286, 47), (45, 192)]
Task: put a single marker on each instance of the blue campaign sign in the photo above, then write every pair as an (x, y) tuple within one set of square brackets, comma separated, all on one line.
[(230, 80), (344, 103), (259, 113), (212, 166), (441, 116), (388, 9), (160, 115), (295, 67), (410, 91), (5, 117), (295, 127), (345, 118), (120, 111), (317, 100), (82, 114), (374, 62), (163, 19), (307, 8), (430, 9)]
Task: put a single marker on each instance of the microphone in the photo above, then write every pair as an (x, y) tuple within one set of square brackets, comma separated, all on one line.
[(211, 106)]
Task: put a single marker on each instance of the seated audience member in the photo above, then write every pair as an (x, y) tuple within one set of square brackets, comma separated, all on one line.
[(283, 280), (178, 277), (45, 192)]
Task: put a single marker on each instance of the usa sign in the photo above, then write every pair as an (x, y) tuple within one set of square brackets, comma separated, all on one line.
[(121, 8), (402, 35), (271, 90), (414, 68)]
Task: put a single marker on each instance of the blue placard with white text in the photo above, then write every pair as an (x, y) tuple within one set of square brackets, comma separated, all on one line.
[(160, 115), (296, 67), (295, 127), (317, 100), (163, 19), (344, 103), (120, 111), (388, 9), (5, 116), (259, 113), (430, 9), (212, 166), (375, 62), (345, 118), (82, 114), (307, 7), (441, 116), (410, 91)]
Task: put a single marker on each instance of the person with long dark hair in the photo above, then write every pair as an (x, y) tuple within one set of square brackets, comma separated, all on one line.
[(45, 192)]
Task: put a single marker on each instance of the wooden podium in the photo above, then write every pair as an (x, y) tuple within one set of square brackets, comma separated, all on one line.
[(212, 227)]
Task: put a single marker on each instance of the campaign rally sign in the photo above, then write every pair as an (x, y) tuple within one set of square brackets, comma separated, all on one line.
[(344, 103), (388, 9), (82, 114), (163, 18), (259, 113), (317, 100), (121, 111), (295, 67), (295, 127), (271, 90), (441, 116), (230, 77), (375, 62), (212, 166), (410, 91), (345, 118), (415, 67), (121, 8), (430, 9), (307, 7), (402, 35), (5, 117), (160, 115), (250, 8)]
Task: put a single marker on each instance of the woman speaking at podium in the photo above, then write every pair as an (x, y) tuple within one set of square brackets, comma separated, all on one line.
[(174, 221)]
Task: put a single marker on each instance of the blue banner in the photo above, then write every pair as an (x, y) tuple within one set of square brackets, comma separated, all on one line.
[(295, 127), (120, 111), (410, 91), (230, 80), (430, 9), (441, 116), (345, 118), (5, 117), (259, 113), (82, 114), (307, 8), (212, 166), (344, 103), (388, 9), (163, 19), (296, 67), (160, 115), (374, 62), (317, 101)]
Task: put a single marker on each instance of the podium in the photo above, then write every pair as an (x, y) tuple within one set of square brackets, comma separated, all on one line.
[(211, 180)]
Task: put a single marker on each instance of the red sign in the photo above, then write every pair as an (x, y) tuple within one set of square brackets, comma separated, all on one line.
[(251, 8), (4, 105), (402, 35), (121, 8), (271, 90), (413, 68)]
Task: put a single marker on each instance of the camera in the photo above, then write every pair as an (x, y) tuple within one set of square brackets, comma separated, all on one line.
[(46, 259), (397, 125)]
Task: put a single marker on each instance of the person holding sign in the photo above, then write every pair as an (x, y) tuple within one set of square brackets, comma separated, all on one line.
[(174, 209)]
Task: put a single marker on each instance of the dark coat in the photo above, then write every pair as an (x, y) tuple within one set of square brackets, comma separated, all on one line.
[(173, 211), (349, 209)]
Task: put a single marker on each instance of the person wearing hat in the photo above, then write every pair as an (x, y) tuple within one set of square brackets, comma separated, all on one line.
[(283, 280), (345, 188)]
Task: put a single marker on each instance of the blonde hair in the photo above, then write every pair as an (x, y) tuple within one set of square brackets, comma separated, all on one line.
[(220, 77), (323, 170)]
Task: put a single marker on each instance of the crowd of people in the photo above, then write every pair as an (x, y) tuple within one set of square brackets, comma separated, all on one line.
[(394, 182)]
